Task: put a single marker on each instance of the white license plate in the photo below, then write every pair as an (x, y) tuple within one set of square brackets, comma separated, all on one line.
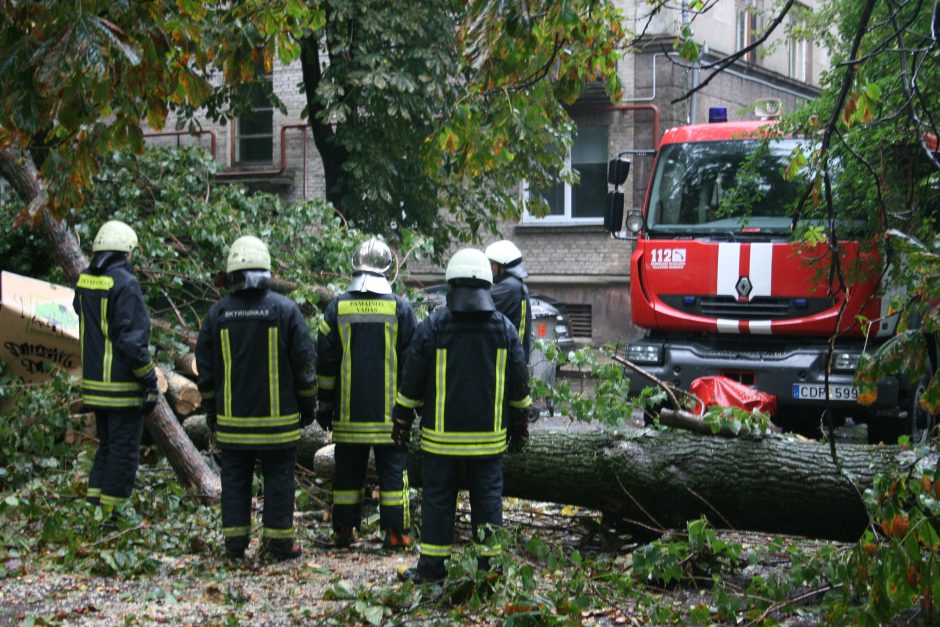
[(817, 392)]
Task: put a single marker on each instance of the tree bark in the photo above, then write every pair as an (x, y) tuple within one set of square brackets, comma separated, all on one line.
[(186, 365), (183, 394), (20, 170)]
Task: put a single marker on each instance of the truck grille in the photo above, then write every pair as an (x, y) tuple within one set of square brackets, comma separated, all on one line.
[(759, 308)]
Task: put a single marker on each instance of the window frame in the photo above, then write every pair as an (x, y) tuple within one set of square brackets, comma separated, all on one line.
[(237, 160), (566, 218), (798, 50), (743, 40)]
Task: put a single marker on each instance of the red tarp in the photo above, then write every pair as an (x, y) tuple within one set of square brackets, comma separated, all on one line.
[(729, 393)]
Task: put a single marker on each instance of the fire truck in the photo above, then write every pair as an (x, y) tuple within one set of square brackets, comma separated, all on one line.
[(723, 290)]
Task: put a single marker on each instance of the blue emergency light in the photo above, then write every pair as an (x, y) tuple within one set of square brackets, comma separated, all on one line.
[(717, 114)]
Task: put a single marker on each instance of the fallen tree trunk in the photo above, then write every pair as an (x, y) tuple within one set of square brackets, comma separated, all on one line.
[(186, 365), (182, 393)]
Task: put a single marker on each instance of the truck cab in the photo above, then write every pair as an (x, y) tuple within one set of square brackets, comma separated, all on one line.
[(722, 287)]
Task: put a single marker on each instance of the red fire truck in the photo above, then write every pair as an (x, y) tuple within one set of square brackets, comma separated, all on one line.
[(723, 292)]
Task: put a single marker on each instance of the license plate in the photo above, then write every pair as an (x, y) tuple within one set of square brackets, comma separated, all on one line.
[(817, 392)]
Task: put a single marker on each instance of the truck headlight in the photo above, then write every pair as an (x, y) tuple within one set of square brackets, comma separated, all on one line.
[(644, 353), (847, 362)]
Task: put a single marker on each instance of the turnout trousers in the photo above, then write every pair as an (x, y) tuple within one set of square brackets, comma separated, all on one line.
[(349, 485), (440, 476), (115, 466), (277, 468)]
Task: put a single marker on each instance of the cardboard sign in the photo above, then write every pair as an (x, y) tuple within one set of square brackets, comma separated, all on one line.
[(37, 327)]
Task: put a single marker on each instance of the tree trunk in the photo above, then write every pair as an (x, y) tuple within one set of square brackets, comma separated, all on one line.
[(162, 385), (661, 479), (18, 168), (183, 394), (186, 365)]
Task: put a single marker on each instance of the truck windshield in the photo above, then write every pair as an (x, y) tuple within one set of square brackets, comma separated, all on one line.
[(724, 186)]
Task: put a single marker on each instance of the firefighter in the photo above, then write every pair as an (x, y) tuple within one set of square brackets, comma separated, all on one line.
[(510, 294), (257, 369), (119, 381), (465, 366), (361, 338)]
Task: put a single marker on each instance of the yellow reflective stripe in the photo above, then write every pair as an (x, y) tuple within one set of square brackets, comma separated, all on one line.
[(365, 427), (345, 373), (406, 499), (107, 401), (143, 370), (463, 437), (488, 551), (324, 327), (347, 497), (522, 403), (391, 499), (326, 383), (106, 386), (522, 320), (391, 335), (404, 401), (93, 282), (208, 394), (369, 306), (235, 532), (274, 383), (258, 421), (227, 367), (81, 328), (307, 393), (257, 438), (93, 492), (268, 532), (362, 438), (108, 355), (500, 389), (112, 500), (435, 550), (440, 389), (462, 449)]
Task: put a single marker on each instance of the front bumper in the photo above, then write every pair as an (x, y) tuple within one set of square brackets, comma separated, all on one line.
[(776, 370)]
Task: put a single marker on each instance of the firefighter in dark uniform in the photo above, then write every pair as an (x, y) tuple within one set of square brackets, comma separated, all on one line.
[(361, 338), (118, 378), (466, 368), (257, 369), (510, 294)]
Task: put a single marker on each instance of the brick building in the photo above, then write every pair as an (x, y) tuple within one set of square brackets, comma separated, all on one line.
[(568, 255)]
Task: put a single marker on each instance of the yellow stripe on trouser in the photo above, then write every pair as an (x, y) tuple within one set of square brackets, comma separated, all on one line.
[(268, 532), (235, 532), (81, 328), (110, 502), (273, 382), (106, 366), (500, 389), (227, 367), (406, 499), (440, 389), (93, 492), (347, 497), (488, 551), (435, 550)]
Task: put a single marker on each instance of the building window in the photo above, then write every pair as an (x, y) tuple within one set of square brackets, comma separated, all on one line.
[(745, 24), (582, 203), (254, 141), (798, 45), (581, 319)]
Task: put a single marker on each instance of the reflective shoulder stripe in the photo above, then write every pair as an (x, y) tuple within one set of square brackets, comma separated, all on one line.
[(522, 403), (143, 370), (367, 306), (324, 327), (93, 282)]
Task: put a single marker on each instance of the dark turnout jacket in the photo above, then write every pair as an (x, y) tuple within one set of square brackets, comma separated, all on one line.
[(115, 334), (257, 369), (511, 297), (360, 344), (467, 370)]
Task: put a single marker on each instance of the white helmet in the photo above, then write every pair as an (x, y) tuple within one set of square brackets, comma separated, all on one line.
[(469, 263), (248, 253), (116, 236), (503, 252)]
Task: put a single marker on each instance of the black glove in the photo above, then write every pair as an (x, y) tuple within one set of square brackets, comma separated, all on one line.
[(211, 420), (518, 429), (402, 418), (151, 394), (325, 418)]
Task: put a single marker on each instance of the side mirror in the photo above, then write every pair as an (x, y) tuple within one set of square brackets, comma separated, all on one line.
[(617, 170), (613, 212)]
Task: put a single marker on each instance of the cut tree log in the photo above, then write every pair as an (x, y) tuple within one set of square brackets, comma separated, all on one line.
[(186, 366), (183, 395), (19, 169), (162, 385), (661, 479)]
